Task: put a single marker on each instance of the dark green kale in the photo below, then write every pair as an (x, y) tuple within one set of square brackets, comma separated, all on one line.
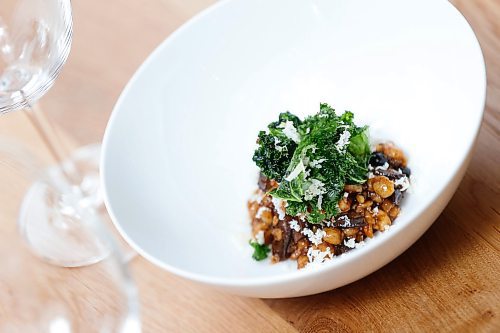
[(275, 147), (259, 251), (330, 152)]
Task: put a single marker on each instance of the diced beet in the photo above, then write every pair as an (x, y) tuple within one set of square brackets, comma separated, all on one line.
[(377, 159), (389, 173), (406, 171), (397, 196), (262, 183)]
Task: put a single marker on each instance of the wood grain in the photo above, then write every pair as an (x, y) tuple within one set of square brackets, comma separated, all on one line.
[(447, 282)]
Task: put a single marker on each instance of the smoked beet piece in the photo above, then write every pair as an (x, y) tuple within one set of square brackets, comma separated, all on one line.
[(378, 159)]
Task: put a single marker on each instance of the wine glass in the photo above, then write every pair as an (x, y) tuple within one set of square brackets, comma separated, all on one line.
[(38, 297), (35, 41)]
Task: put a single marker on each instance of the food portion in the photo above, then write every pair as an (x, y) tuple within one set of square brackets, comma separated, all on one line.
[(321, 189)]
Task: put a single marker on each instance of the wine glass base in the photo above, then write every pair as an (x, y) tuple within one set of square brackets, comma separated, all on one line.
[(50, 218)]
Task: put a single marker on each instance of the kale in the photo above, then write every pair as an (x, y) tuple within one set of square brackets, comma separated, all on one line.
[(276, 128), (259, 251), (330, 152), (275, 147)]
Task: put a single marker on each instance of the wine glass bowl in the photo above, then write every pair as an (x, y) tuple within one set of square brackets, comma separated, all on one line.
[(35, 41)]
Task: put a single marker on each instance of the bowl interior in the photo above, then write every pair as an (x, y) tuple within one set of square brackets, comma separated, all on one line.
[(177, 165)]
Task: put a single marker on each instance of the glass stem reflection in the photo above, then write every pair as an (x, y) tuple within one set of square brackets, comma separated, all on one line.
[(52, 141)]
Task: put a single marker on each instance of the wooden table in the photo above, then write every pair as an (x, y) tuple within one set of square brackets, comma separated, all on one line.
[(448, 281)]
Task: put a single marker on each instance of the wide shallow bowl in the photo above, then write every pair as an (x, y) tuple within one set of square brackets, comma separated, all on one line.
[(176, 163)]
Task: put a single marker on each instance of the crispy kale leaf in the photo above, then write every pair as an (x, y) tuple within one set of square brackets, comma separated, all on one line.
[(259, 251), (331, 151), (276, 148)]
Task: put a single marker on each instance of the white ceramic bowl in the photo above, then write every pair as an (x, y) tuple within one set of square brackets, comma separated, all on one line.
[(176, 163)]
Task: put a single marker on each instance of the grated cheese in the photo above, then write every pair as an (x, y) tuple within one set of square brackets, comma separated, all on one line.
[(315, 238), (279, 206), (403, 182), (317, 257), (317, 163), (276, 144), (259, 237), (320, 201), (343, 140), (346, 222), (316, 188), (351, 243), (360, 244), (294, 225), (296, 172), (290, 131), (261, 210), (383, 167)]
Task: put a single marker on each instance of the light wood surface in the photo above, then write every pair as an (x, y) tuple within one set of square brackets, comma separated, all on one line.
[(448, 281)]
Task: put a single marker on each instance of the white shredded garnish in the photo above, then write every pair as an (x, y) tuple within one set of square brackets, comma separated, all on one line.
[(278, 205), (261, 210), (383, 167), (360, 244), (346, 222), (350, 243), (320, 201), (290, 131), (276, 144), (403, 182), (317, 163), (343, 140), (259, 237), (316, 257), (346, 194), (315, 238), (316, 188), (328, 223), (296, 172), (307, 173), (294, 225)]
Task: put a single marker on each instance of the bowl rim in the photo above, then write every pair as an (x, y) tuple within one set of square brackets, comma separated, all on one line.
[(293, 275)]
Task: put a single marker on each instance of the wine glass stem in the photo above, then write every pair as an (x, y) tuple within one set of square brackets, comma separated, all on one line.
[(52, 141)]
